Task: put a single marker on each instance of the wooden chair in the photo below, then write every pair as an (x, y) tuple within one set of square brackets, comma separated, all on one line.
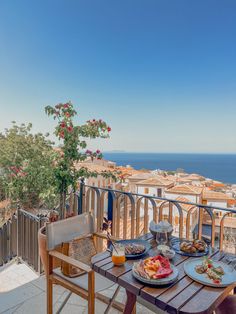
[(87, 285)]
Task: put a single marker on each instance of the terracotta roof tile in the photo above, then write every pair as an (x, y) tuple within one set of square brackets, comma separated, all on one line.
[(156, 181), (185, 189), (213, 195)]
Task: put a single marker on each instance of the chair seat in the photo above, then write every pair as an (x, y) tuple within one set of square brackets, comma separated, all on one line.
[(101, 283)]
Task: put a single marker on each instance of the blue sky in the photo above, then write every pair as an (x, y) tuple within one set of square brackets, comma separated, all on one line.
[(162, 73)]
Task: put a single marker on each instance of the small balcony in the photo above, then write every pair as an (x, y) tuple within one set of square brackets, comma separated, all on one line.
[(23, 284)]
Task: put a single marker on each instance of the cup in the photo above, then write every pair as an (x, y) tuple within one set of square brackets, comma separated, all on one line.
[(118, 255)]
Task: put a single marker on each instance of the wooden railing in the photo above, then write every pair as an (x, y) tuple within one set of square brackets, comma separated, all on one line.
[(131, 214)]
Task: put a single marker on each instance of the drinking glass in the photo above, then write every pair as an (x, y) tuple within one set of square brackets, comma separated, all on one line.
[(230, 246), (162, 238), (118, 255)]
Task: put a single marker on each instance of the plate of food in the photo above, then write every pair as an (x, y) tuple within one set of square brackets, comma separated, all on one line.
[(156, 271), (209, 272), (193, 248), (134, 248)]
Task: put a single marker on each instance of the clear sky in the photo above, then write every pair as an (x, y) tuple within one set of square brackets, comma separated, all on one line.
[(161, 73)]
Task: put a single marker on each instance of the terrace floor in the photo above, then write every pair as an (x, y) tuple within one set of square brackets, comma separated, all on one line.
[(23, 292)]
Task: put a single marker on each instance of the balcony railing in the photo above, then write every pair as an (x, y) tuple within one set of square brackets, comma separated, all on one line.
[(19, 239), (131, 214)]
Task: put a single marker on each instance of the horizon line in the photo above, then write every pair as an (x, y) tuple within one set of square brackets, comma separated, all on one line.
[(151, 152)]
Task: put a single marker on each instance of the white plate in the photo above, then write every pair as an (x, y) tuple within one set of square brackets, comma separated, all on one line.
[(227, 279), (158, 282)]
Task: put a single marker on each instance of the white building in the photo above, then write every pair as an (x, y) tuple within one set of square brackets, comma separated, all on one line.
[(190, 192), (154, 186), (134, 179)]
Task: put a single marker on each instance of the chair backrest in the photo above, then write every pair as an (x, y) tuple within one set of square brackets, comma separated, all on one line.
[(68, 229)]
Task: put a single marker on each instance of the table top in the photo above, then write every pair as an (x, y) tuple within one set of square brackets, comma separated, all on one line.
[(184, 296)]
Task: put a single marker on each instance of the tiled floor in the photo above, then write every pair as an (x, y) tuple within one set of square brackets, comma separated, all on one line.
[(23, 292)]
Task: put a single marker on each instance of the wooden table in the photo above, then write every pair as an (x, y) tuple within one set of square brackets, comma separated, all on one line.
[(185, 296)]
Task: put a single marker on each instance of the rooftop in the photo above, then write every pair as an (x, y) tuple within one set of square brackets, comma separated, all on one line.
[(156, 181), (185, 189), (212, 195)]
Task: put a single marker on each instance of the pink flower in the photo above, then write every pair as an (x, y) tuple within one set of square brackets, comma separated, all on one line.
[(70, 128), (98, 151), (67, 114), (63, 125), (66, 106), (109, 129), (89, 152), (62, 134)]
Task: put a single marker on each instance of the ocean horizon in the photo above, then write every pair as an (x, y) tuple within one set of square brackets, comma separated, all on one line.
[(220, 167)]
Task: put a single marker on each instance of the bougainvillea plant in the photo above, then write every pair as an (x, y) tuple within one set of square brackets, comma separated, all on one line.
[(74, 149)]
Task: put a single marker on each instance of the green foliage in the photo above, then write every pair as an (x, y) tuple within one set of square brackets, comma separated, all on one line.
[(26, 167), (33, 173), (71, 152)]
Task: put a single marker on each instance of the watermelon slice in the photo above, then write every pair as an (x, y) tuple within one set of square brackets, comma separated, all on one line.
[(165, 270), (162, 273)]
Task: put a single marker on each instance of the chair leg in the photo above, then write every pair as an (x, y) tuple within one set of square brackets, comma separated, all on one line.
[(91, 293), (49, 296), (112, 300)]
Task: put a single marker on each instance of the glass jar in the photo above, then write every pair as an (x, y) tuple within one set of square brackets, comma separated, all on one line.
[(118, 255)]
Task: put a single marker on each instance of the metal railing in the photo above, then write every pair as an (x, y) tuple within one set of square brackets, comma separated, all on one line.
[(27, 238), (8, 240), (19, 239), (131, 214)]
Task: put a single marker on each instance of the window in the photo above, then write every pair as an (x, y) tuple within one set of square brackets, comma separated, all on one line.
[(146, 190), (159, 192)]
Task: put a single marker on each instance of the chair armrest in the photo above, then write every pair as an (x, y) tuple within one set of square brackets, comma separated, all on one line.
[(70, 261), (103, 236)]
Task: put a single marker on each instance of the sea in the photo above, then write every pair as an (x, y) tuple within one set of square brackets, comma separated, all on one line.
[(220, 167)]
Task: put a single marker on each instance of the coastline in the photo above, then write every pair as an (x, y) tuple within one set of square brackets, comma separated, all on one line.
[(220, 167)]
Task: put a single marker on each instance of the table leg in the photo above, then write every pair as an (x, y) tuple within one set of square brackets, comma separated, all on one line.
[(130, 305)]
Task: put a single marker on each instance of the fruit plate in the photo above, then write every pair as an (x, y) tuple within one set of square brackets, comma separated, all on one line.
[(175, 245), (146, 244), (158, 282), (227, 279)]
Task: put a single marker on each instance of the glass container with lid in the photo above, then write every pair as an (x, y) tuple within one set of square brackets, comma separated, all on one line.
[(162, 227)]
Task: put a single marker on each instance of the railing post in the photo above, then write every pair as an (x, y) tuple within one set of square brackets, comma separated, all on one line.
[(110, 207), (81, 195), (18, 234)]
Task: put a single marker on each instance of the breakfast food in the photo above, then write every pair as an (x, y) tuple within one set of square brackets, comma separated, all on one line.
[(134, 249), (213, 273), (168, 253), (200, 245), (194, 246), (156, 267)]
